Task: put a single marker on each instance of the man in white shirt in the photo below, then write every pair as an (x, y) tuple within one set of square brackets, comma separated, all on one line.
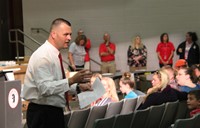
[(44, 84)]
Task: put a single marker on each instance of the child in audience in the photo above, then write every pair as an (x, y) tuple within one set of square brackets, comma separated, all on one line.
[(193, 102), (127, 85)]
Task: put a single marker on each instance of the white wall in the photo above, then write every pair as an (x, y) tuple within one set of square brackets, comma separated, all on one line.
[(123, 19)]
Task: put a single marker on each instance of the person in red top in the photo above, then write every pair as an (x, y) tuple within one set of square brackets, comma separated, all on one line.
[(87, 49), (165, 51), (107, 55)]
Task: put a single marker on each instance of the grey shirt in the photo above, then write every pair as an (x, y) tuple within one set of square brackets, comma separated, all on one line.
[(78, 53), (43, 83)]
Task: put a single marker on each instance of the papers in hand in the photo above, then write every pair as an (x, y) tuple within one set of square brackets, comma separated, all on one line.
[(86, 98)]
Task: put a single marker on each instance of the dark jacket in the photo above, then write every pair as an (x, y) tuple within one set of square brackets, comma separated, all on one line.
[(164, 96), (193, 55)]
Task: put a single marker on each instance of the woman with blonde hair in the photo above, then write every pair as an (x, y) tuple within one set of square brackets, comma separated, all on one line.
[(110, 94), (161, 92), (137, 55)]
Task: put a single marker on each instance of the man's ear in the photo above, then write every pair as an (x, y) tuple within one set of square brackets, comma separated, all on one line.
[(53, 34)]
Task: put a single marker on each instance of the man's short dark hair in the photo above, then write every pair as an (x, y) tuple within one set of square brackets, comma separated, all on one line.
[(58, 21)]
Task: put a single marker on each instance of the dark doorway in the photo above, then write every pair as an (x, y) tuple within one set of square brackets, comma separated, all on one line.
[(11, 17)]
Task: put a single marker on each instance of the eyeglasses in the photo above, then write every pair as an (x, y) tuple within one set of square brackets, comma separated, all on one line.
[(158, 74)]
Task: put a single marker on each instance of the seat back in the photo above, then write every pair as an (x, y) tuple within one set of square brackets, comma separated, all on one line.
[(185, 123), (182, 110), (78, 118), (104, 122), (123, 121), (97, 112), (155, 115), (140, 100), (114, 108), (197, 121), (129, 106), (169, 113), (66, 118), (140, 118)]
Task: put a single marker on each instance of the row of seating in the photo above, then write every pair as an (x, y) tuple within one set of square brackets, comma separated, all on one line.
[(123, 114), (160, 116), (85, 118)]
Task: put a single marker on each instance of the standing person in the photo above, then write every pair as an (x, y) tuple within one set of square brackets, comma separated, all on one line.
[(77, 53), (189, 49), (137, 55), (165, 51), (87, 49), (107, 55), (45, 84)]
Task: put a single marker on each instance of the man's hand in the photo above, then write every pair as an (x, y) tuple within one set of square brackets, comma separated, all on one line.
[(85, 87), (80, 77)]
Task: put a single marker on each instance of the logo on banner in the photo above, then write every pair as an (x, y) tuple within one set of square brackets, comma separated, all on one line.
[(13, 98)]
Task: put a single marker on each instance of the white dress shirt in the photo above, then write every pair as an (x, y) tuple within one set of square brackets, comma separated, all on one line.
[(43, 83)]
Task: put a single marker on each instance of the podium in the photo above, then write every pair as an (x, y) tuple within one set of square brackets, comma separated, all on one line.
[(10, 108)]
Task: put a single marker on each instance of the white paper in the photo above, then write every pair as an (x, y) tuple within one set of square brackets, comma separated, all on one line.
[(10, 76), (87, 97)]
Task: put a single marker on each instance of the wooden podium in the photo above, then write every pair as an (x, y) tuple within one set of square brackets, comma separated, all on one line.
[(10, 108)]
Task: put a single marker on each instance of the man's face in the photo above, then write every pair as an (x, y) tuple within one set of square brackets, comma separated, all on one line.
[(62, 36), (106, 38)]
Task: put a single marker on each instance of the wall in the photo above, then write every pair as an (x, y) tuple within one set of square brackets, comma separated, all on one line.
[(123, 19)]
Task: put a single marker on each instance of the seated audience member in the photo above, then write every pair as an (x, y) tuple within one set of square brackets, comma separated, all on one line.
[(196, 72), (161, 92), (193, 102), (127, 86), (171, 73), (180, 63), (94, 76), (185, 79), (110, 94)]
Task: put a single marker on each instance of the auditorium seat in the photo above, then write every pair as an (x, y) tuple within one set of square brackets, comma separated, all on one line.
[(129, 106), (169, 113), (123, 121), (78, 118), (114, 108), (104, 122), (97, 112)]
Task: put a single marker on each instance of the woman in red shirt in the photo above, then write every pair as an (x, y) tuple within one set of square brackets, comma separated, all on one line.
[(165, 51)]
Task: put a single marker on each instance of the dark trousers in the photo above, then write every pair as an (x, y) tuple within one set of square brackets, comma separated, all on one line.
[(78, 68), (44, 116), (161, 65)]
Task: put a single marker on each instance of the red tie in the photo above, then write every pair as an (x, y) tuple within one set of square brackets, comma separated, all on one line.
[(63, 74)]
